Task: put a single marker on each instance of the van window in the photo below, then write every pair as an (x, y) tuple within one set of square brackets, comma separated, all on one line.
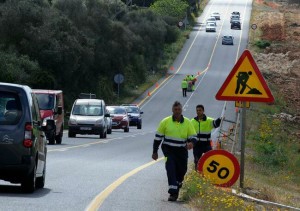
[(88, 110), (46, 101), (10, 108)]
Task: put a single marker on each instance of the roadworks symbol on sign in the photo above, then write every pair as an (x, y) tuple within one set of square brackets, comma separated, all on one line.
[(245, 82)]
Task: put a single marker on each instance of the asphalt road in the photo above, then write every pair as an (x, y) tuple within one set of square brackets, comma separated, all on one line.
[(117, 173)]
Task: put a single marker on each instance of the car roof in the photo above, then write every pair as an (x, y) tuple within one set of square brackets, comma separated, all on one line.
[(46, 91), (89, 101), (27, 89), (130, 105)]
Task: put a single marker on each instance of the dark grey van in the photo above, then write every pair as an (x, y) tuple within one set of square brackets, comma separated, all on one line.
[(23, 145)]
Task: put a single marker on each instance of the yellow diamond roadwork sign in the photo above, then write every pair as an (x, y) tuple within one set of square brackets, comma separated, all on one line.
[(245, 82)]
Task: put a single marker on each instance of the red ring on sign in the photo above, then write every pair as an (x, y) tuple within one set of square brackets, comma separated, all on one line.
[(228, 155)]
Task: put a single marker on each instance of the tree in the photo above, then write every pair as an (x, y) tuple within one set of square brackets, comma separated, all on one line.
[(173, 8)]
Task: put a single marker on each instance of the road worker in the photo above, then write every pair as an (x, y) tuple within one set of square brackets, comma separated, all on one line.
[(177, 136), (184, 86), (203, 126)]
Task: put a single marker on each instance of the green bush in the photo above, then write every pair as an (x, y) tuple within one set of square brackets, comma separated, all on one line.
[(262, 44)]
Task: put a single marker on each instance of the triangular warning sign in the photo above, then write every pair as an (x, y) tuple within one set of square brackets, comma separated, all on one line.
[(245, 82)]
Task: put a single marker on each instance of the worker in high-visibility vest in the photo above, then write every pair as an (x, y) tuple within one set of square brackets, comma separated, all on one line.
[(203, 126), (177, 136), (184, 86)]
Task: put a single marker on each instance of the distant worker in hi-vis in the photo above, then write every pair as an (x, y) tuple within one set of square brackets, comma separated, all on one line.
[(177, 136), (184, 86)]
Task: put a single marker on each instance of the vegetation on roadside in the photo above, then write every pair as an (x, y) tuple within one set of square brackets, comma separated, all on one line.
[(203, 195), (80, 45), (272, 165)]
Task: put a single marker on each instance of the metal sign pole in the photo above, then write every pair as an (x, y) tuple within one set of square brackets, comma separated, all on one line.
[(243, 128)]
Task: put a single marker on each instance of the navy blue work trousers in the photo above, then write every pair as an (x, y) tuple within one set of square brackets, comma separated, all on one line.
[(176, 166)]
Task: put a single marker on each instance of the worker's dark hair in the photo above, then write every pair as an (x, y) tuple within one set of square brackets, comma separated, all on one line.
[(176, 103), (200, 106)]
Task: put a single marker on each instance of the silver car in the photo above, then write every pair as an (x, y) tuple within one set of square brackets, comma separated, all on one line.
[(88, 116)]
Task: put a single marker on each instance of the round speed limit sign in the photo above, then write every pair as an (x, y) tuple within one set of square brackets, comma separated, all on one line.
[(220, 166)]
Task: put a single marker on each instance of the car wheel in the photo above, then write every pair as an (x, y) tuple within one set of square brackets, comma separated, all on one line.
[(58, 138), (109, 131), (52, 140), (103, 134), (28, 184), (71, 135), (139, 126), (40, 181), (126, 130)]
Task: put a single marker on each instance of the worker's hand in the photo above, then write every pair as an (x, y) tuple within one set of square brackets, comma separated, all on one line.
[(189, 145), (154, 156)]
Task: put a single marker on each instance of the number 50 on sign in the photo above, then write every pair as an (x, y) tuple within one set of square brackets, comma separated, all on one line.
[(220, 166)]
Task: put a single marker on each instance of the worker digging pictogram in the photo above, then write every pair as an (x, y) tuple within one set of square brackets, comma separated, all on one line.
[(241, 84)]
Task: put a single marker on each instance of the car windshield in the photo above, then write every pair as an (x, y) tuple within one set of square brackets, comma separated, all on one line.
[(116, 110), (46, 101), (10, 108), (87, 110), (132, 110), (227, 37)]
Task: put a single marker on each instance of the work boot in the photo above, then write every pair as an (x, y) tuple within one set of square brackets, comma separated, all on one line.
[(173, 197)]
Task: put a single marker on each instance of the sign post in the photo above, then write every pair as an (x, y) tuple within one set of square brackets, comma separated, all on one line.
[(243, 143), (119, 78), (244, 83)]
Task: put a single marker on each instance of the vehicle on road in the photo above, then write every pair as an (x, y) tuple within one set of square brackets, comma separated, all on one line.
[(235, 25), (227, 40), (120, 118), (134, 114), (23, 145), (234, 18), (216, 15), (210, 27), (236, 13), (88, 116), (51, 104), (211, 19)]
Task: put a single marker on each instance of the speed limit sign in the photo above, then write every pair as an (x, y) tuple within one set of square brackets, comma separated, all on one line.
[(220, 166)]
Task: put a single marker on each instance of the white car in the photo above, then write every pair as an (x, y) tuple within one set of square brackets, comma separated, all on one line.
[(216, 15), (210, 27), (211, 19)]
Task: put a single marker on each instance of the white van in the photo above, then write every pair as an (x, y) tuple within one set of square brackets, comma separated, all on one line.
[(88, 117)]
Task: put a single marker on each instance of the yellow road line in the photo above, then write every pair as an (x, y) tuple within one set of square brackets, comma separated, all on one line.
[(99, 199)]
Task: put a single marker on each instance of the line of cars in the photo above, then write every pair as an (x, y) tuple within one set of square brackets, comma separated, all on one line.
[(211, 22), (235, 23), (29, 118), (93, 116)]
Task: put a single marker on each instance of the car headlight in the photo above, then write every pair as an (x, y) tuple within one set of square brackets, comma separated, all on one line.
[(45, 121), (72, 121), (99, 122)]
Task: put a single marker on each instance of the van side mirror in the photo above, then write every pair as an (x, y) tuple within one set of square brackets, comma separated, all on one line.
[(107, 115), (59, 110), (141, 112), (50, 125)]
